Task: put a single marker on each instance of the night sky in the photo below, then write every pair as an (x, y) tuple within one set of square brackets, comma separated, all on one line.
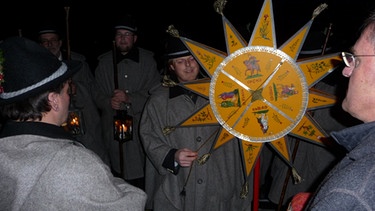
[(90, 24)]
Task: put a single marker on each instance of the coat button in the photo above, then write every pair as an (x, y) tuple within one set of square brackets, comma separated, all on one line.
[(126, 76), (126, 91), (198, 139), (200, 181)]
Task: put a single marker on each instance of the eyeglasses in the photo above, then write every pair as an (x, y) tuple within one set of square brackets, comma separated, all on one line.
[(181, 61), (350, 59)]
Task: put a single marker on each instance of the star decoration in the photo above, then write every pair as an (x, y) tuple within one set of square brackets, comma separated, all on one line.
[(258, 92)]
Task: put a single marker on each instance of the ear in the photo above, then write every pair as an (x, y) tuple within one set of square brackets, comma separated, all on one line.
[(53, 100), (171, 67)]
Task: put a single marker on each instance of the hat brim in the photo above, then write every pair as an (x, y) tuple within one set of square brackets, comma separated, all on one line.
[(177, 54), (72, 68)]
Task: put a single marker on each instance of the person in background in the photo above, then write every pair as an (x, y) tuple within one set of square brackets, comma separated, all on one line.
[(136, 73), (42, 167), (312, 161), (84, 96), (350, 184), (174, 179)]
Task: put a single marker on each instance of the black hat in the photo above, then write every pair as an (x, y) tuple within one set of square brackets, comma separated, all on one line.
[(48, 30), (126, 22), (48, 27), (28, 69), (175, 48)]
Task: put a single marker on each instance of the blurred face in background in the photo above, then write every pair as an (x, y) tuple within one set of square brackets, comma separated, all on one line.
[(125, 40), (186, 68), (52, 42)]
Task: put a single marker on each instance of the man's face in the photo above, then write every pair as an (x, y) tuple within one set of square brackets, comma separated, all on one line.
[(360, 97), (52, 42), (186, 68), (125, 40)]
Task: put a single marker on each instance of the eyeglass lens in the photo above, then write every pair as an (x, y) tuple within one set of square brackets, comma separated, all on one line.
[(348, 59)]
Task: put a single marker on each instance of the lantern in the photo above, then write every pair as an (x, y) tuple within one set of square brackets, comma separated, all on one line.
[(74, 123), (123, 126)]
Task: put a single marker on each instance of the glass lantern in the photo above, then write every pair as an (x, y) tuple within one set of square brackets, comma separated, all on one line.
[(123, 126)]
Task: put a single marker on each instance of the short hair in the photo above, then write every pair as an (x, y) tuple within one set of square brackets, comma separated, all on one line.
[(31, 108), (369, 24)]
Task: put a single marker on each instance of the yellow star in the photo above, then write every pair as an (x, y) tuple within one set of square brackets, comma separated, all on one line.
[(257, 92)]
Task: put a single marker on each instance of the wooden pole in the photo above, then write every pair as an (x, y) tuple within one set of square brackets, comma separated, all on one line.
[(286, 181), (67, 32), (327, 38), (115, 77), (256, 185)]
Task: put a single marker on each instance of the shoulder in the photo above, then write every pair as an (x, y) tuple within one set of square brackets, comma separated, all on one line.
[(146, 53), (75, 157), (158, 94), (105, 56), (77, 56)]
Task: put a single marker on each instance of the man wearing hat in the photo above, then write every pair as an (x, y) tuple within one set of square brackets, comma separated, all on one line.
[(86, 93), (174, 179), (135, 71), (42, 167)]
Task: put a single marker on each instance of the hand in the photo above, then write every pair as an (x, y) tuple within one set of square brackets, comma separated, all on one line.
[(119, 97), (185, 157)]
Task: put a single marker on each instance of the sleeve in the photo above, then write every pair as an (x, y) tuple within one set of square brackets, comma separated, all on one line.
[(103, 84), (154, 141), (170, 164)]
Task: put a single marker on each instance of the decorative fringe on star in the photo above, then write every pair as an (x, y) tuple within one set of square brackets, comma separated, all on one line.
[(173, 31), (319, 9), (167, 82), (244, 190), (296, 177), (202, 160), (167, 130), (219, 6)]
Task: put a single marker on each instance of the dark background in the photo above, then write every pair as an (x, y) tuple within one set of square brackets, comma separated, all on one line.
[(90, 22)]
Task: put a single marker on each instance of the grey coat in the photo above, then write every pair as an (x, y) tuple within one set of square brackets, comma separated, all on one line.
[(136, 79), (215, 185), (42, 168), (351, 184), (85, 100)]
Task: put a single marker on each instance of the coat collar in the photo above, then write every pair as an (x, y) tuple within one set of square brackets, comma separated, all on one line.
[(12, 128), (351, 137), (133, 54)]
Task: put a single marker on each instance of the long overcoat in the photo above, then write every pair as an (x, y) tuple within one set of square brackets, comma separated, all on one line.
[(215, 185), (87, 91), (136, 78)]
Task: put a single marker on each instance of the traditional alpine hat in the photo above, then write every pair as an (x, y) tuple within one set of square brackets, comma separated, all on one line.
[(126, 22), (28, 69), (175, 48)]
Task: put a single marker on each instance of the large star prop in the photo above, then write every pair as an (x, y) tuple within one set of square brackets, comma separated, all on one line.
[(257, 92)]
